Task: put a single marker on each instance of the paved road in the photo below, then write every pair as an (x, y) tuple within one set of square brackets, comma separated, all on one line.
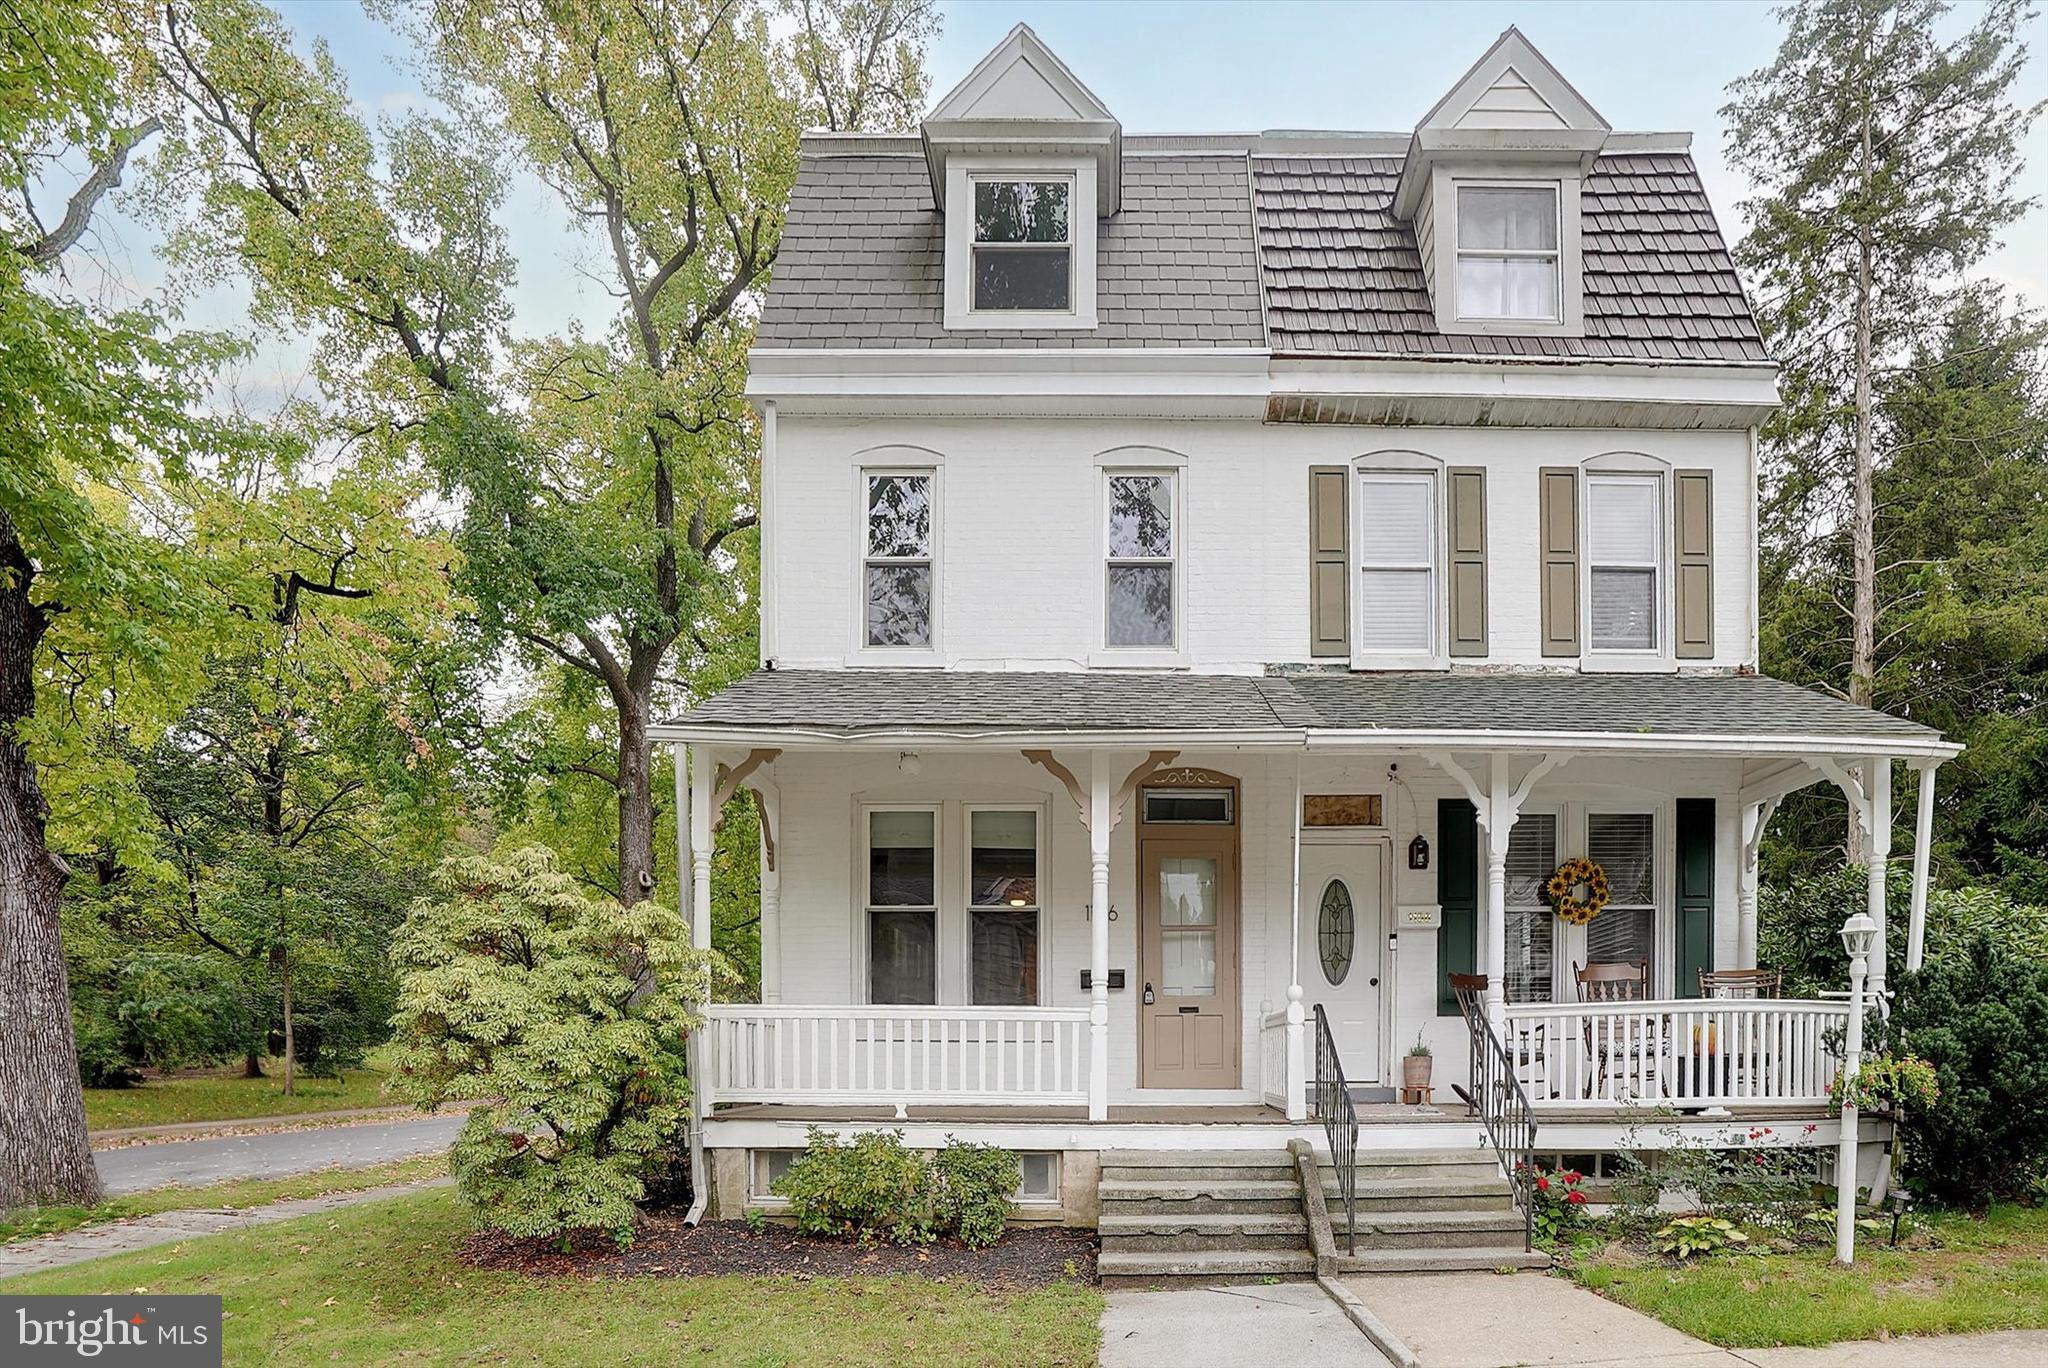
[(278, 1154)]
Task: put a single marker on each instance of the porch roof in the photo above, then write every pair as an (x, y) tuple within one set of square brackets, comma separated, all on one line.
[(1316, 709)]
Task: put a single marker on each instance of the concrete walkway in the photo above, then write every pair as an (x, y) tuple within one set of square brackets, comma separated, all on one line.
[(1525, 1320), (193, 1163), (173, 1227), (1232, 1327)]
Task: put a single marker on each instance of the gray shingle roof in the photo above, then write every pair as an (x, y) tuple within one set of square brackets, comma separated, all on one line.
[(1343, 274), (862, 261), (848, 702)]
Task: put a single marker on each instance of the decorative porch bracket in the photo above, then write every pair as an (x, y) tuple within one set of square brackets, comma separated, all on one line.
[(1755, 818), (1870, 809), (1498, 806), (1101, 808)]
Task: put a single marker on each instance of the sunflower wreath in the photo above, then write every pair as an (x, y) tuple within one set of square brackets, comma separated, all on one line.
[(1567, 880)]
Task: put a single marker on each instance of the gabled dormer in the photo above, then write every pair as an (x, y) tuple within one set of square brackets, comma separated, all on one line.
[(1024, 161), (1492, 185)]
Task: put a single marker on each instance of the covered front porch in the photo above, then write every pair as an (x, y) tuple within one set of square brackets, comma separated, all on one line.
[(1265, 847)]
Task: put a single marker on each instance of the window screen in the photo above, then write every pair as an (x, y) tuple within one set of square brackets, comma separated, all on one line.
[(1023, 247), (1624, 844), (1531, 922), (902, 907), (1507, 252), (1625, 526), (1397, 543), (1003, 919), (1140, 584), (898, 578)]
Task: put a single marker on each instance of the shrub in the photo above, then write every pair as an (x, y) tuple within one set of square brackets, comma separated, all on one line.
[(1687, 1236), (1771, 1182), (874, 1188), (1800, 925), (974, 1183), (870, 1187), (1980, 1018), (566, 1016), (1888, 1081), (1558, 1202)]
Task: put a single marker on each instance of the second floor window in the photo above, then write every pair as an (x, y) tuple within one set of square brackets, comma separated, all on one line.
[(1139, 608), (1507, 252), (1023, 246), (1625, 526), (898, 558), (1397, 560)]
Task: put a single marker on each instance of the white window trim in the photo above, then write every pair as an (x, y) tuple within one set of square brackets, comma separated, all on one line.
[(862, 908), (1438, 656), (896, 656), (1443, 249), (1662, 658), (1141, 657), (1554, 255), (964, 968), (961, 173)]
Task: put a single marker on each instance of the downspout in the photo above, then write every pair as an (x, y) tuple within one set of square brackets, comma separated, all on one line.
[(771, 636), (700, 1168)]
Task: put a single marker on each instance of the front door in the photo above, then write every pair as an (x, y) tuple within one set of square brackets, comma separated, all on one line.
[(1342, 932), (1187, 924)]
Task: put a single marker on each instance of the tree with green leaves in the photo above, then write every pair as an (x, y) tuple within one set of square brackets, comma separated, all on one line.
[(1884, 156), (605, 481), (93, 399)]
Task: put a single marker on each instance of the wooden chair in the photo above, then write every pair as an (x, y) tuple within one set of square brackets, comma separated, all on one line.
[(1609, 1048), (1741, 983)]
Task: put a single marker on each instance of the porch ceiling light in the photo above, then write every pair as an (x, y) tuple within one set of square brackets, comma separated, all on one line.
[(1859, 936)]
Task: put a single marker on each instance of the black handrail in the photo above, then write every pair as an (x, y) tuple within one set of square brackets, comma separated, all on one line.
[(1331, 1102), (1504, 1111)]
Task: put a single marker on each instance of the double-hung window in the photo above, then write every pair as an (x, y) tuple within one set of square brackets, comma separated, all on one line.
[(1023, 245), (1002, 906), (1625, 524), (1141, 569), (903, 905), (1507, 243), (897, 572), (1532, 855), (1625, 845), (1397, 564)]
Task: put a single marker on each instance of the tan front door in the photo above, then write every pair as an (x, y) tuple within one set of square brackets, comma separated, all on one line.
[(1187, 927)]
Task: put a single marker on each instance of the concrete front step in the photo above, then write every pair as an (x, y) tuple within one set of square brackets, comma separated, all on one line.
[(1200, 1173), (1424, 1194), (1204, 1263), (1132, 1159), (1197, 1189), (1439, 1260), (1474, 1169), (1432, 1229), (1162, 1231)]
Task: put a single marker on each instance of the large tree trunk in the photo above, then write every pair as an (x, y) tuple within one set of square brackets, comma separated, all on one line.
[(284, 966), (636, 801), (45, 1155), (1863, 610)]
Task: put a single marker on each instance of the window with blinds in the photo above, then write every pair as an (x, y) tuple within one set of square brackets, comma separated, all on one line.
[(1531, 922), (1624, 516), (1397, 575), (1624, 844)]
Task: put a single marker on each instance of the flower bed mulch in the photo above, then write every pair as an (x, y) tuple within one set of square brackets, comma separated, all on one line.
[(1027, 1256)]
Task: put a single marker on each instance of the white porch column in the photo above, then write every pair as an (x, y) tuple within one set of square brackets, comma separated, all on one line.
[(702, 776), (1297, 1015), (1923, 838), (769, 793), (1755, 817), (1877, 782), (1499, 819), (1100, 772)]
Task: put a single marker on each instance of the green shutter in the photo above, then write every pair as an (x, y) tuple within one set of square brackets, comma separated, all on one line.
[(1457, 892), (1329, 561), (1468, 560), (1695, 545), (1695, 892)]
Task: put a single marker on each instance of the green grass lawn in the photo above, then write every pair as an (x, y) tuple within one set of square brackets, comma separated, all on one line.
[(382, 1281), (241, 1192), (224, 1095), (1957, 1274)]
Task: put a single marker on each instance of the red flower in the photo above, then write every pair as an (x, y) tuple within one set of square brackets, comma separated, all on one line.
[(1543, 1185), (1572, 1176), (1576, 1198)]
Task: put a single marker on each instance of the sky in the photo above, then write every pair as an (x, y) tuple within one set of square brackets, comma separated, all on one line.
[(1187, 66)]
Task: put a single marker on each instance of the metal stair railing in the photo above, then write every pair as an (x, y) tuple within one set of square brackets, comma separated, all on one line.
[(1505, 1113), (1330, 1100)]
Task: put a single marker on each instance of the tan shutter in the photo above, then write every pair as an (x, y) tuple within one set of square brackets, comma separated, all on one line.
[(1695, 587), (1558, 514), (1468, 561), (1329, 562)]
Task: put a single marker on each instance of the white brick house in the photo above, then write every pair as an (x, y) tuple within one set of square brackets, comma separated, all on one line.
[(1209, 582)]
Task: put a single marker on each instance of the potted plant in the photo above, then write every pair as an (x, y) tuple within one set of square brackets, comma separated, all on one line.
[(1415, 1068)]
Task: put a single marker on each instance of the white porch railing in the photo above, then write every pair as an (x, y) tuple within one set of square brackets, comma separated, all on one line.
[(1274, 1084), (1681, 1053), (891, 1056)]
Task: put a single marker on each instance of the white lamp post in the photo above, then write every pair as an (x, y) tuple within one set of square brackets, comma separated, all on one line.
[(1859, 936)]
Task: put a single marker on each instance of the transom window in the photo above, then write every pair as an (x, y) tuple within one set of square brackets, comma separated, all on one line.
[(1507, 240), (1023, 246), (1624, 844), (903, 906), (1002, 896), (897, 513), (1625, 540), (1397, 563), (1139, 607)]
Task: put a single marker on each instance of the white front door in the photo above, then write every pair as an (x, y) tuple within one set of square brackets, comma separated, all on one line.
[(1343, 939)]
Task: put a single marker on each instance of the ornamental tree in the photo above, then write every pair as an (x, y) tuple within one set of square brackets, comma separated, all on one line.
[(566, 1016)]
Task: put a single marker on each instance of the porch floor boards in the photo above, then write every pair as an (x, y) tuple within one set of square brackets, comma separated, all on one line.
[(1159, 1115)]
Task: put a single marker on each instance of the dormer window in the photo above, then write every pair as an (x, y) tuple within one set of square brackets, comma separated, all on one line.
[(1508, 252), (1023, 245)]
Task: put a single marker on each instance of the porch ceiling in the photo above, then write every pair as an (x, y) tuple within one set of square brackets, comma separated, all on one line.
[(1317, 710)]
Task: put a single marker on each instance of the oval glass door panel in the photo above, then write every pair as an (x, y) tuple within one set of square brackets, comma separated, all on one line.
[(1336, 930)]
